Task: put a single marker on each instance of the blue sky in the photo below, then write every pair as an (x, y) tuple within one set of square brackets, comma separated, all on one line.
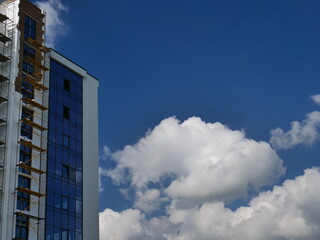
[(249, 65)]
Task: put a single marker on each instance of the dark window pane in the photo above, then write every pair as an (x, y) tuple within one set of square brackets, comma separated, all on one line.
[(57, 201), (66, 112), (72, 192), (66, 85), (65, 171), (50, 199), (65, 188), (57, 219), (72, 174)]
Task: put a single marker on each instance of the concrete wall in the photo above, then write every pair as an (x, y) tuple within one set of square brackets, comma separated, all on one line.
[(90, 157)]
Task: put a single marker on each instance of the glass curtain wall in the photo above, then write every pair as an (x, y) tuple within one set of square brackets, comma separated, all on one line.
[(64, 165)]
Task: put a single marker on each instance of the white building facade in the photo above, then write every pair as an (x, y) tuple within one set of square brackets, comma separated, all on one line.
[(48, 135)]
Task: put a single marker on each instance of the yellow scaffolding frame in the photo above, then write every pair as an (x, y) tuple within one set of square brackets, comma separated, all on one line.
[(37, 153), (33, 124), (35, 63), (37, 45), (29, 144), (30, 192), (33, 103), (27, 167), (36, 84)]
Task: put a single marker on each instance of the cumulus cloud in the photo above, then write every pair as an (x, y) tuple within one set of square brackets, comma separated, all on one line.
[(288, 212), (199, 162), (305, 132), (126, 225), (55, 26), (316, 98)]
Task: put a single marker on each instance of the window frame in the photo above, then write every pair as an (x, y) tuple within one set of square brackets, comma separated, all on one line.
[(22, 227), (25, 156), (30, 27), (25, 129), (23, 199)]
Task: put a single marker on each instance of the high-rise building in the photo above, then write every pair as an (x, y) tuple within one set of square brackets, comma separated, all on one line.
[(48, 134)]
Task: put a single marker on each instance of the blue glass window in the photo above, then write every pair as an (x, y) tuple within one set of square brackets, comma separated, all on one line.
[(65, 171), (57, 234), (23, 182), (26, 130), (28, 68), (66, 112), (65, 153), (27, 90), (66, 141), (57, 201), (30, 26), (65, 203), (49, 233), (66, 85), (29, 52), (64, 234), (23, 199), (25, 157), (72, 174), (22, 227)]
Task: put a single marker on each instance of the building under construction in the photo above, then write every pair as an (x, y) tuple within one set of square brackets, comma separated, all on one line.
[(48, 134)]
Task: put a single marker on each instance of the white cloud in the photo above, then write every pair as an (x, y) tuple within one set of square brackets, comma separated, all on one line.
[(195, 168), (121, 226), (102, 172), (200, 162), (305, 132), (148, 200), (106, 153), (55, 26), (316, 98), (288, 212)]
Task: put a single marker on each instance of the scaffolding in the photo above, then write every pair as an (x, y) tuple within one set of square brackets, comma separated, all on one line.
[(6, 35), (35, 103)]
